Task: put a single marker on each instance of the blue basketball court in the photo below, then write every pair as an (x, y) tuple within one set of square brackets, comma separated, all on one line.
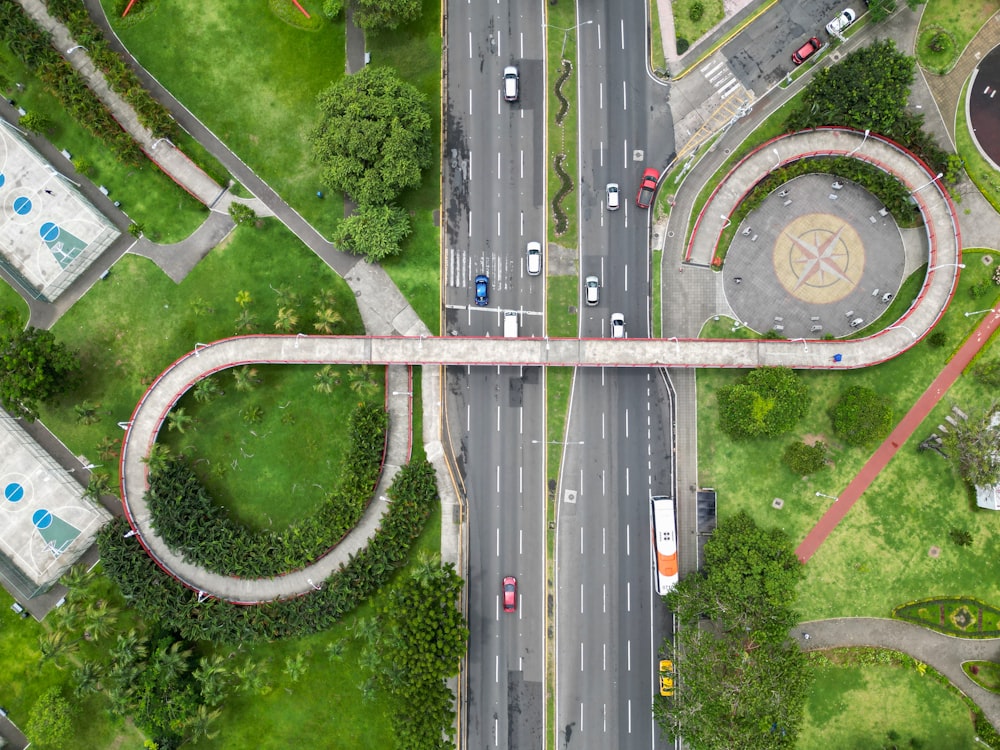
[(49, 233), (46, 523)]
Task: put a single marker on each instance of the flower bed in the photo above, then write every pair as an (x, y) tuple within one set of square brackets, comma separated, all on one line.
[(962, 616)]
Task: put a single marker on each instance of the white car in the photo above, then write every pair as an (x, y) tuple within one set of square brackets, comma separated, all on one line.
[(612, 191), (617, 326), (841, 22), (534, 258), (510, 83), (593, 290)]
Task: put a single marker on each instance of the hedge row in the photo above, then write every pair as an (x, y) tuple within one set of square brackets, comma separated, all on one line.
[(118, 73), (160, 597), (202, 531), (31, 45)]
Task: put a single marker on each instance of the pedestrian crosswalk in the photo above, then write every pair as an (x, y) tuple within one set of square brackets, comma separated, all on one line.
[(463, 265)]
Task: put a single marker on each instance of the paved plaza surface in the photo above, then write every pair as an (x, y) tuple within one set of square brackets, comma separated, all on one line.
[(820, 256)]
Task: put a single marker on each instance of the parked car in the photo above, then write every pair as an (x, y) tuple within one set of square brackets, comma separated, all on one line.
[(841, 22), (612, 193), (482, 290), (509, 594), (534, 258), (617, 326), (592, 289), (647, 187), (510, 83), (806, 51), (666, 678)]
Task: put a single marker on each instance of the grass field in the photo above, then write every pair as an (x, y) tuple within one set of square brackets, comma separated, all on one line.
[(273, 471), (877, 557), (147, 195), (253, 80), (414, 51), (866, 707), (958, 21), (125, 338)]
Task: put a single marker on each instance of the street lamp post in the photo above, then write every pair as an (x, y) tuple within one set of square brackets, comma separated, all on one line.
[(945, 265), (777, 159), (979, 312), (936, 178), (829, 497), (804, 343), (858, 147), (566, 32), (74, 48)]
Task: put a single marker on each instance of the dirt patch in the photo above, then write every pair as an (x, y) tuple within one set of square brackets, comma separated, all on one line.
[(813, 439)]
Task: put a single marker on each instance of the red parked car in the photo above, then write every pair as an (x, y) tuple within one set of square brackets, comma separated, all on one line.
[(647, 188)]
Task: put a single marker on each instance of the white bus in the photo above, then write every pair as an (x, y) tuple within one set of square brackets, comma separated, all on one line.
[(664, 525)]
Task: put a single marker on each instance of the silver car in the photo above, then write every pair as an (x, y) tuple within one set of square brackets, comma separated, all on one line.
[(612, 193), (617, 326), (534, 258), (841, 22)]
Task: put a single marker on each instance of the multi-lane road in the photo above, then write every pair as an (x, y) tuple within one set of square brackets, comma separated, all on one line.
[(619, 445)]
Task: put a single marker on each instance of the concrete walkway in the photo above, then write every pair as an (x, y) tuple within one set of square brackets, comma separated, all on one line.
[(942, 652)]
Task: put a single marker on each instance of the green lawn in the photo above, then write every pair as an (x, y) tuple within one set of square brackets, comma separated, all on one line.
[(148, 196), (866, 707), (328, 701), (275, 471), (980, 171), (415, 53), (693, 19), (560, 45), (24, 677), (129, 328), (253, 80), (877, 557), (958, 21)]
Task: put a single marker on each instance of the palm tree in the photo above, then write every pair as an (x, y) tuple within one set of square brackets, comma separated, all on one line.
[(295, 667), (246, 378), (326, 379), (363, 381), (179, 420), (78, 578), (171, 662), (200, 725), (129, 648), (365, 629), (206, 390), (98, 484), (251, 677), (86, 412), (287, 297), (335, 651), (287, 320), (56, 645), (246, 322), (109, 448), (213, 675), (327, 319), (98, 620), (243, 299), (158, 458), (87, 679)]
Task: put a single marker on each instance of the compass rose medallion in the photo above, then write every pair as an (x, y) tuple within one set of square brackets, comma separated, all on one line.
[(819, 258)]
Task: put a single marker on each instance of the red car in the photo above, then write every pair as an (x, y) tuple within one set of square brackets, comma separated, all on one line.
[(647, 188), (806, 51), (509, 594)]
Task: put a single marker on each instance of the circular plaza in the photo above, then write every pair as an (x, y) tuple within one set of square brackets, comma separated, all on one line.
[(983, 107), (820, 256)]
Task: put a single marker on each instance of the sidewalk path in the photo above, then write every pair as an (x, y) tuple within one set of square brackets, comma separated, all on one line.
[(898, 437), (942, 652)]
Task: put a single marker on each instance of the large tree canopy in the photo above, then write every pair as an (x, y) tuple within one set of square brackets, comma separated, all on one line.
[(374, 136), (767, 402), (861, 416), (373, 15), (741, 681), (973, 445), (867, 89), (34, 367)]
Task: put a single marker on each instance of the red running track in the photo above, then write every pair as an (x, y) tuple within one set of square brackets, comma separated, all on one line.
[(914, 417)]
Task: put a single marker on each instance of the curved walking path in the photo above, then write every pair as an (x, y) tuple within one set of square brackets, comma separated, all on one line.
[(944, 653), (944, 241)]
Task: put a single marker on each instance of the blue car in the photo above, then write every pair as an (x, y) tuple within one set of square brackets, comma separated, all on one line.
[(482, 290)]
